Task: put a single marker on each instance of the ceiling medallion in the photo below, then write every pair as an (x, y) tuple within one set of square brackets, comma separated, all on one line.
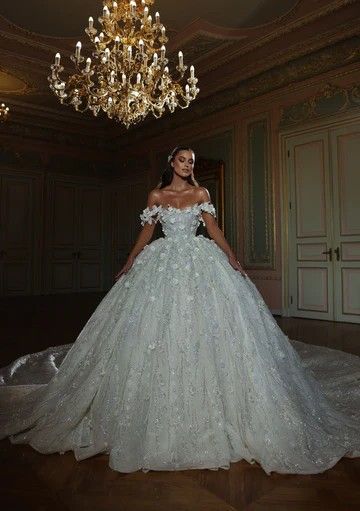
[(127, 76), (4, 112)]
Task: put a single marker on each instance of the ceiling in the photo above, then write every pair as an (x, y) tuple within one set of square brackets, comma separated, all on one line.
[(228, 41), (68, 18)]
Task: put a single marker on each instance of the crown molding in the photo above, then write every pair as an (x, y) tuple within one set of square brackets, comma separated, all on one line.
[(301, 69), (318, 42), (277, 31)]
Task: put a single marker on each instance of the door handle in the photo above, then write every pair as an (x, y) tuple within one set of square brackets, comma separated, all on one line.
[(337, 252), (328, 252)]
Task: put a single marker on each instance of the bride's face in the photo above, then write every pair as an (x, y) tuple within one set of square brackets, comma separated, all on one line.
[(183, 163)]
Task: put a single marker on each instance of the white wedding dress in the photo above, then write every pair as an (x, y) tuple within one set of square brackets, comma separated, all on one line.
[(182, 366)]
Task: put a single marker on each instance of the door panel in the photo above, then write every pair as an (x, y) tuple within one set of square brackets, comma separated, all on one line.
[(310, 275), (90, 239), (75, 235), (17, 234), (310, 188), (63, 236), (345, 144)]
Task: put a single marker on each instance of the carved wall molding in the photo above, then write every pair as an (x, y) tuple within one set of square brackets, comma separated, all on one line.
[(258, 200), (54, 135), (329, 100), (257, 276)]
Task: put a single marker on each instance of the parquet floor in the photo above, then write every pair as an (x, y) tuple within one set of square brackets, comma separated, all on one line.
[(30, 481)]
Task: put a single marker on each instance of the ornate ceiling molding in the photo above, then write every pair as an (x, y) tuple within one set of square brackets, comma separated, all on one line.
[(301, 49), (278, 29), (12, 84), (303, 68)]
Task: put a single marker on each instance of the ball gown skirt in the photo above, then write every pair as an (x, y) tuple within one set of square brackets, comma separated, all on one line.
[(182, 366)]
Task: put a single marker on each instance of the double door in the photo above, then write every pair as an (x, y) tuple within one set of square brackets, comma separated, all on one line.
[(75, 235), (324, 224)]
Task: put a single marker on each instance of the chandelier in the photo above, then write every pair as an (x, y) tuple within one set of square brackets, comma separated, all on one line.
[(127, 76), (4, 112)]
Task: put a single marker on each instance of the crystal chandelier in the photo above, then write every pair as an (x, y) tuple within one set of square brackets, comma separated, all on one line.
[(4, 112), (127, 76)]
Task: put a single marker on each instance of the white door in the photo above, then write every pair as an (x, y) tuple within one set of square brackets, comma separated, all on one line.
[(324, 224), (345, 148), (311, 268)]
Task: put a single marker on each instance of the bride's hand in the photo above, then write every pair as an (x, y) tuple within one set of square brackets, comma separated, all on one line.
[(237, 266), (125, 268)]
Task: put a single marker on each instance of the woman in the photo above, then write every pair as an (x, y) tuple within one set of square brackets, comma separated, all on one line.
[(182, 365)]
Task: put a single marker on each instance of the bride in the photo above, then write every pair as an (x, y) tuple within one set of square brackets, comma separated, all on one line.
[(182, 365)]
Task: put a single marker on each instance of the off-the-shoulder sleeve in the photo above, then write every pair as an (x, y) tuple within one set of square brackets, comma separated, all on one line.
[(150, 215), (207, 207)]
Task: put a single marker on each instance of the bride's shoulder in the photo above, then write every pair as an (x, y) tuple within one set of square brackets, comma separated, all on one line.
[(154, 197), (203, 194)]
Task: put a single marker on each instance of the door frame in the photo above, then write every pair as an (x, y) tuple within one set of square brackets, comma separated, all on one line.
[(333, 121)]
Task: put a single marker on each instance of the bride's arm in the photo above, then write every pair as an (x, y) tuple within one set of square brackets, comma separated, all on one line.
[(143, 238), (217, 235)]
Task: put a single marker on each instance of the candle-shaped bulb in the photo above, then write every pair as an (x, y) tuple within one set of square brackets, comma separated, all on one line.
[(101, 36), (141, 45), (112, 77), (166, 70), (123, 78), (138, 78), (78, 49), (110, 100), (91, 22), (181, 58), (192, 72), (88, 64), (107, 53), (157, 17), (163, 50), (115, 6), (149, 19), (133, 7), (57, 59), (129, 50), (187, 89), (96, 40), (163, 31), (146, 12), (106, 12), (117, 42), (155, 59)]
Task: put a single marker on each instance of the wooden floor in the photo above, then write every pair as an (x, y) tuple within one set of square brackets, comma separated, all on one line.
[(30, 481)]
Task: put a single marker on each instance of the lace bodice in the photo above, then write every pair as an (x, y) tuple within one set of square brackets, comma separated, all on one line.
[(178, 222)]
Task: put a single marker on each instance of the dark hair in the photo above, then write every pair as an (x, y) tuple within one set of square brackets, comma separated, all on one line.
[(168, 173)]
